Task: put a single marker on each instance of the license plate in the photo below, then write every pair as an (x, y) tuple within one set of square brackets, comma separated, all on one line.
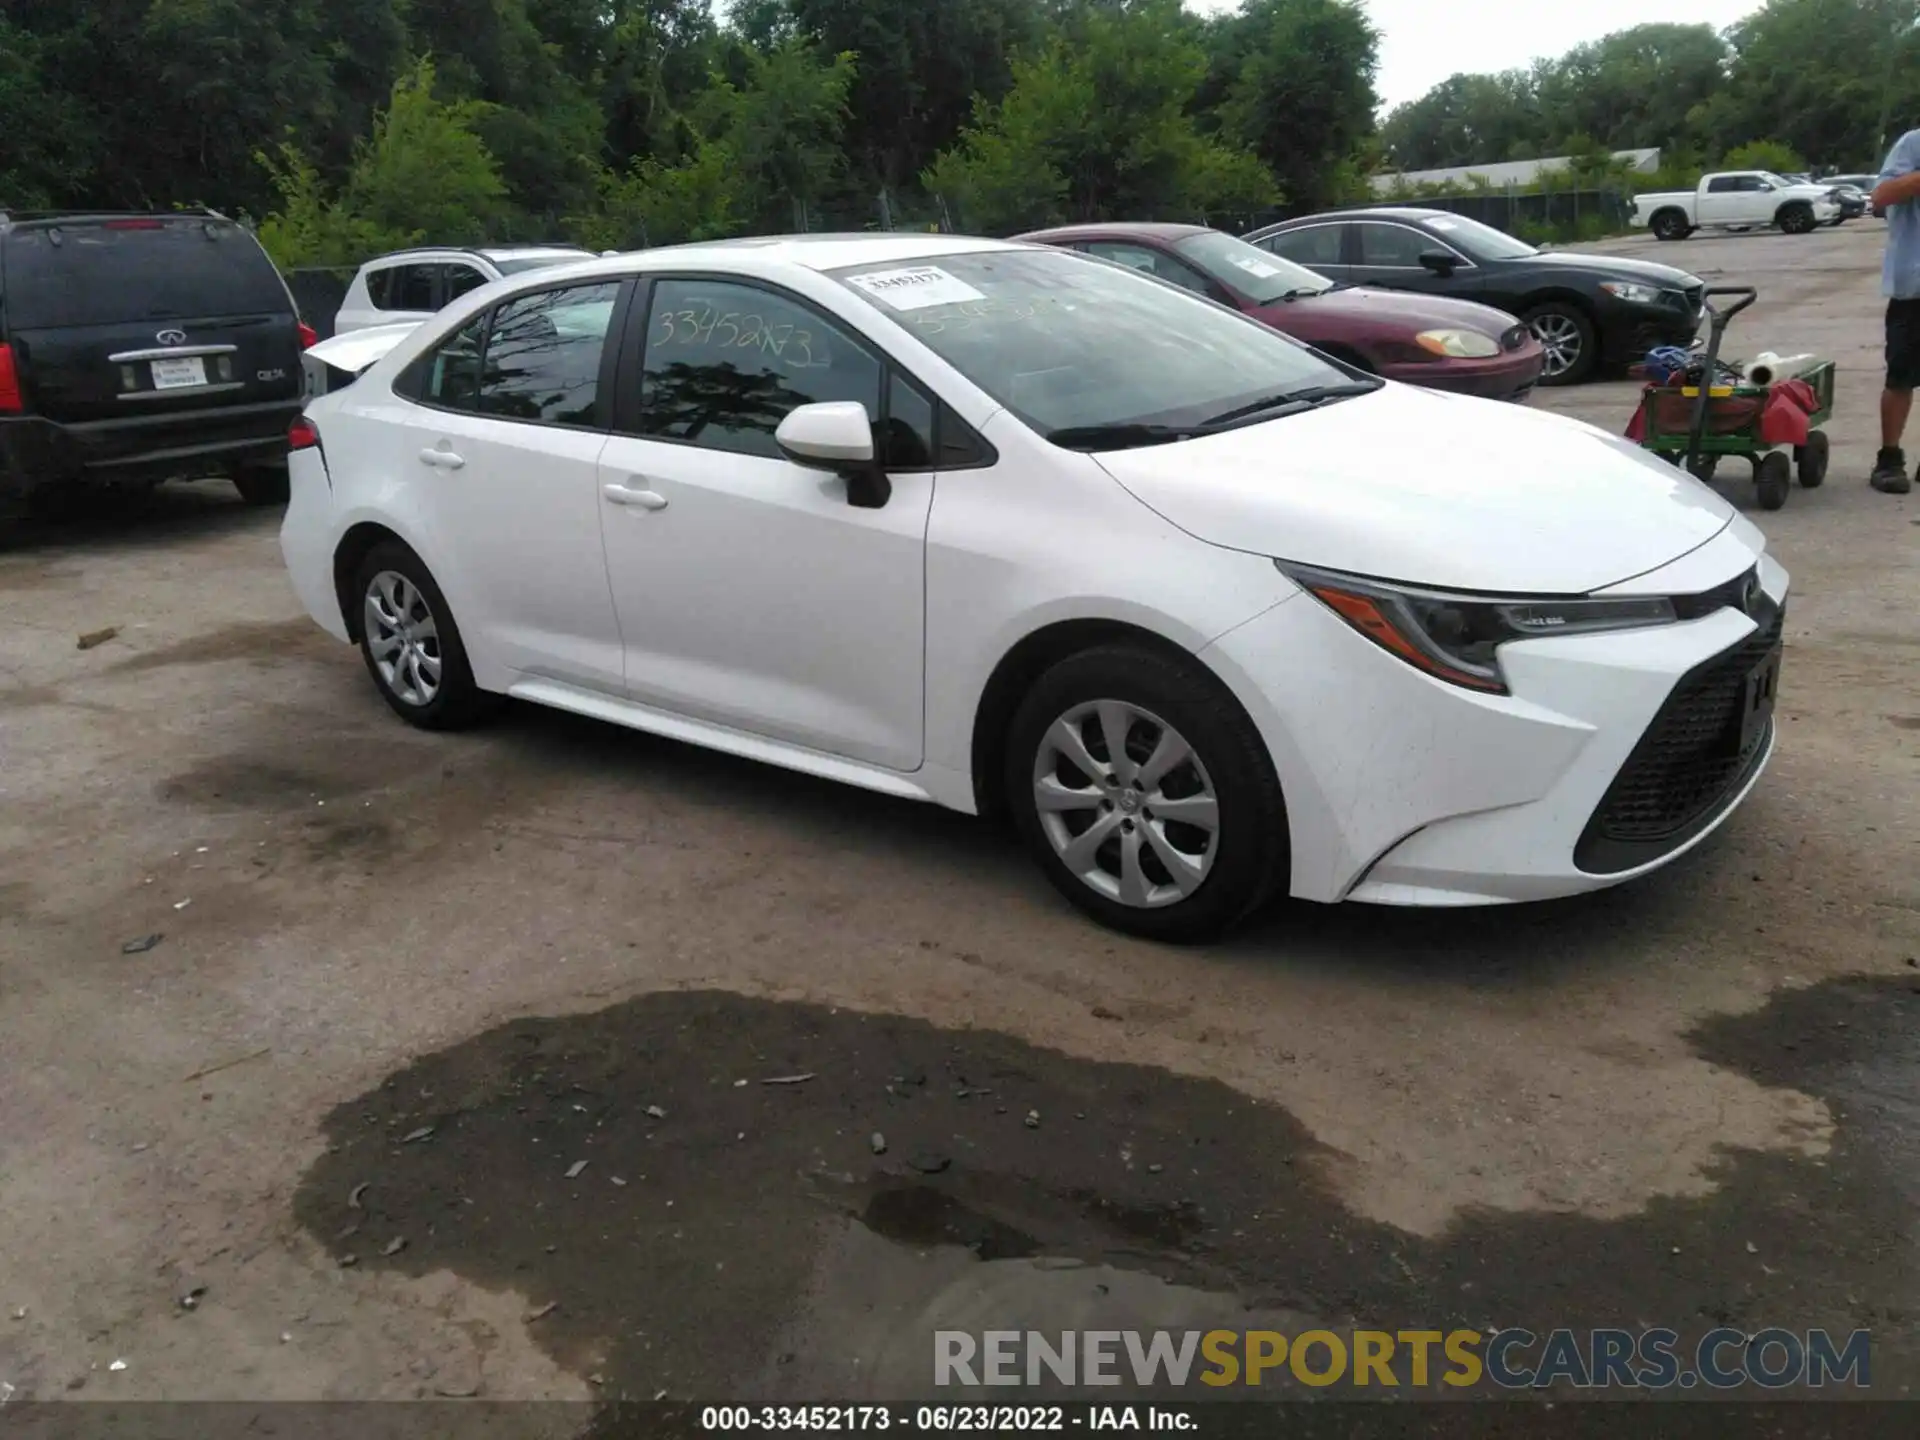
[(1757, 704), (179, 374)]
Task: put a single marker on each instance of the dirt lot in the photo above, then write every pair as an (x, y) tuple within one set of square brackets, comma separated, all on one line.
[(403, 984)]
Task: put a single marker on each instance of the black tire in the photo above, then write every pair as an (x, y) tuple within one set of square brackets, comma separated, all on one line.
[(1704, 466), (1773, 479), (1570, 328), (1670, 225), (456, 702), (1797, 219), (1249, 849), (1811, 460), (262, 484)]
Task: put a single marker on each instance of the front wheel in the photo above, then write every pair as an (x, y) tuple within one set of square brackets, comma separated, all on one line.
[(1798, 220), (1812, 458), (1146, 794), (1568, 337), (1670, 225), (1772, 477), (411, 645)]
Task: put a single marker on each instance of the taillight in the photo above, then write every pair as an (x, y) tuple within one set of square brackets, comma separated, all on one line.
[(301, 435), (309, 337), (11, 401)]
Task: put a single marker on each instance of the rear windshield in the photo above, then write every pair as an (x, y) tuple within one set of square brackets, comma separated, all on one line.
[(105, 273)]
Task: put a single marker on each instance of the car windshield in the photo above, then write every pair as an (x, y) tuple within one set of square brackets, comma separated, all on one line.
[(1481, 242), (1261, 277), (1779, 182), (1073, 344)]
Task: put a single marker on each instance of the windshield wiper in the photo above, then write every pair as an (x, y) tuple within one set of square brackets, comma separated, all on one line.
[(1304, 399), (1119, 437), (1299, 290)]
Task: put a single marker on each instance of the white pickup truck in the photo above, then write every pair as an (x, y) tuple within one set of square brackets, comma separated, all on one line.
[(1736, 200)]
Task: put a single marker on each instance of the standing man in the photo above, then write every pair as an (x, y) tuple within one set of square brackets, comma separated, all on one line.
[(1897, 196)]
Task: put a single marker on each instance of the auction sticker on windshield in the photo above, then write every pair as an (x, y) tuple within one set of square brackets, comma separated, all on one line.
[(916, 288), (1256, 267)]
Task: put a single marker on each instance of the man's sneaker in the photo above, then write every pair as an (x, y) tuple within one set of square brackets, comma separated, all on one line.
[(1890, 472)]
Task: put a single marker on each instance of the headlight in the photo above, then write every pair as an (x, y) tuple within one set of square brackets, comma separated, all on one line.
[(1456, 637), (1458, 344), (1631, 292)]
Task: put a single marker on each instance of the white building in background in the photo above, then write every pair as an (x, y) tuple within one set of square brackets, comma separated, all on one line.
[(1510, 172)]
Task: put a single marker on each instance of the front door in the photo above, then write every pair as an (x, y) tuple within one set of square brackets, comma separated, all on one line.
[(1389, 257), (750, 594)]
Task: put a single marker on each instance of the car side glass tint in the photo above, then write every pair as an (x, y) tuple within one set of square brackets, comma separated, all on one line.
[(543, 357), (1149, 261), (411, 288), (1313, 245), (907, 441), (380, 288), (461, 279), (449, 374), (1392, 245), (726, 363), (959, 446)]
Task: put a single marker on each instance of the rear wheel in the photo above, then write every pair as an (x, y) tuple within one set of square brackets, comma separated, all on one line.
[(1812, 458), (1568, 337), (1145, 793), (1670, 225), (412, 646), (1772, 478)]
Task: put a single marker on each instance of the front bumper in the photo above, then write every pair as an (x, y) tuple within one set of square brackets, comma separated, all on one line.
[(1629, 331), (1401, 789), (1511, 375)]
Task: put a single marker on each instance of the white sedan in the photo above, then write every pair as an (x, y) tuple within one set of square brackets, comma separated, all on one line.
[(1006, 528)]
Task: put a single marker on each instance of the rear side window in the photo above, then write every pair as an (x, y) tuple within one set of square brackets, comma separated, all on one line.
[(1314, 245), (135, 272), (543, 356), (407, 287)]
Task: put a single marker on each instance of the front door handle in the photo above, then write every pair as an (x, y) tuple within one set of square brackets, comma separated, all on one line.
[(639, 499), (441, 459)]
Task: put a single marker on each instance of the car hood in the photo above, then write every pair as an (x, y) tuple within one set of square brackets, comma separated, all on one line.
[(355, 350), (1383, 309), (1435, 489), (1613, 267)]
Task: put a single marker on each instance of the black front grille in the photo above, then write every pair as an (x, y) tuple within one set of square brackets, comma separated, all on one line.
[(1686, 765)]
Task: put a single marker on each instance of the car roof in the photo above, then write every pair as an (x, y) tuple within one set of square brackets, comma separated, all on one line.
[(1369, 212), (486, 252), (1146, 229), (773, 252)]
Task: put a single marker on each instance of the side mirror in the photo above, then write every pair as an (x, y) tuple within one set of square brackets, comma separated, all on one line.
[(1439, 262), (837, 435)]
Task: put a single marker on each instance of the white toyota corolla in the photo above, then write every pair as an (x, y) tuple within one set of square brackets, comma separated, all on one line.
[(1007, 528)]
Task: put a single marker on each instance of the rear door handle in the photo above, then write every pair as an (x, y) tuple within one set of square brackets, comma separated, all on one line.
[(639, 499), (441, 459)]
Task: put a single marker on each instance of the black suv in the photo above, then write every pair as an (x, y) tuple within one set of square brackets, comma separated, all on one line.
[(142, 348)]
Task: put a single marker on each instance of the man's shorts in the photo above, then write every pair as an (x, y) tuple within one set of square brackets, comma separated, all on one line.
[(1903, 344)]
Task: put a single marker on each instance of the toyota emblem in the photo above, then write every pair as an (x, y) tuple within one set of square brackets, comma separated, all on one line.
[(172, 337)]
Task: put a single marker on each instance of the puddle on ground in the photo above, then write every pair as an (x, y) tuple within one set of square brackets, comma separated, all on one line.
[(702, 1232)]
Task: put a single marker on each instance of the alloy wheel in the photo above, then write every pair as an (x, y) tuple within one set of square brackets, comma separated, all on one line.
[(1126, 804), (403, 638), (1559, 336)]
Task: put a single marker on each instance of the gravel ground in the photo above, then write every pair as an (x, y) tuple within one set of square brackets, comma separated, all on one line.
[(1686, 1102)]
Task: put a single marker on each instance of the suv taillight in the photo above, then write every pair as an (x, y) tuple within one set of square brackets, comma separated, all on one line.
[(11, 401), (309, 337), (301, 435)]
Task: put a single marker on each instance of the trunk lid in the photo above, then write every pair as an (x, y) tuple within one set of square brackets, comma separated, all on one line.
[(120, 317)]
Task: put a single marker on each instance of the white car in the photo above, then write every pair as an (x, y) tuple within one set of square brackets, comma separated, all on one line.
[(1737, 200), (410, 285), (1003, 527)]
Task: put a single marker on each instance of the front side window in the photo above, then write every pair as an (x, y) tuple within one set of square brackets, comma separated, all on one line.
[(1723, 184), (726, 363), (1065, 343), (543, 355), (1392, 246), (410, 288), (1150, 262)]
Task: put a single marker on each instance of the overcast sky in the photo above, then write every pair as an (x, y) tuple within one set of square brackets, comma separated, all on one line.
[(1422, 42)]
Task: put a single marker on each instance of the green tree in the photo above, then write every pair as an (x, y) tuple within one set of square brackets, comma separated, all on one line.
[(1302, 97), (783, 126), (1763, 155), (52, 143), (1097, 126), (654, 204), (1468, 120)]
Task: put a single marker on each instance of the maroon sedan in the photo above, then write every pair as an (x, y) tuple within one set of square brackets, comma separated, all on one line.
[(1420, 339)]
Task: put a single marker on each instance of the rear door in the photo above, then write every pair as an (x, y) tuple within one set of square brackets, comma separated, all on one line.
[(118, 318), (1321, 248)]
